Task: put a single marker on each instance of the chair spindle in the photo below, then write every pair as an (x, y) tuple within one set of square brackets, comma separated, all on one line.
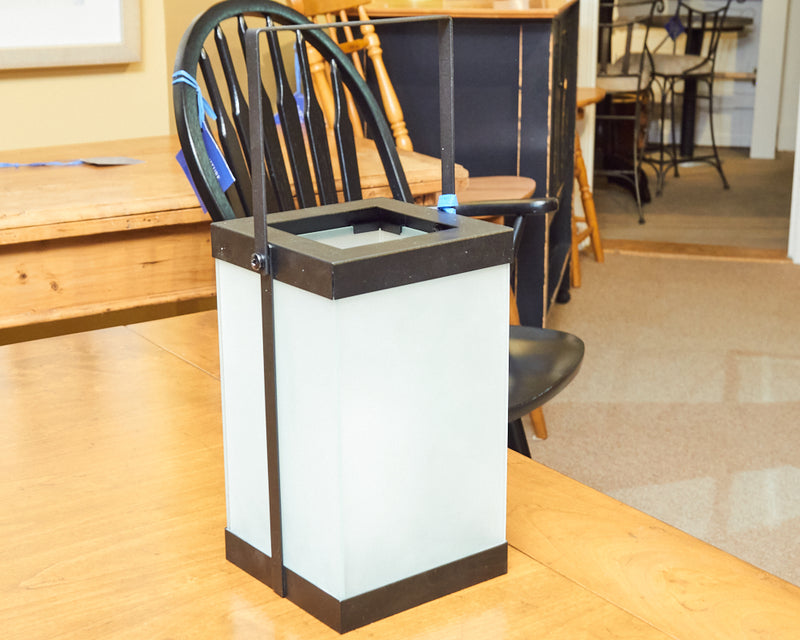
[(239, 194), (343, 134), (290, 123), (316, 131)]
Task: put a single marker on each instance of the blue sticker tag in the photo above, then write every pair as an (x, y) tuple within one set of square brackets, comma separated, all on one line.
[(54, 163), (221, 169), (182, 161), (447, 203), (674, 27)]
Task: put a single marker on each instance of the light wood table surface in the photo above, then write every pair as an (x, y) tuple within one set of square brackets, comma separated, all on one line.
[(113, 514), (78, 241)]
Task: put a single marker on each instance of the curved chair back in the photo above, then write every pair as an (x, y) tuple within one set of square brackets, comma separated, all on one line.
[(305, 164), (624, 62), (700, 29)]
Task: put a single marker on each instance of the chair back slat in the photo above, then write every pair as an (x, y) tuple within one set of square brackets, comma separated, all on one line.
[(239, 109), (290, 124), (278, 190), (277, 183), (299, 149), (343, 134), (316, 130), (242, 203), (603, 48), (626, 60)]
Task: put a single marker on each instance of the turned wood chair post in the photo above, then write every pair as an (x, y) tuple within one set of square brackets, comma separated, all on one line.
[(391, 105), (319, 73), (589, 217)]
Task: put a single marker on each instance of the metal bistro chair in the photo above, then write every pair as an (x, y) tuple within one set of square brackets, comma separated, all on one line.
[(624, 71), (695, 34), (300, 158)]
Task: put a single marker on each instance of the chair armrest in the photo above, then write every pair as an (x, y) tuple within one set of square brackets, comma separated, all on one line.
[(513, 208), (517, 210)]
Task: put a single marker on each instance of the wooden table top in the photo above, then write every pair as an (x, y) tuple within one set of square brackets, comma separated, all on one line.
[(113, 514), (46, 202), (40, 203), (584, 96), (492, 9)]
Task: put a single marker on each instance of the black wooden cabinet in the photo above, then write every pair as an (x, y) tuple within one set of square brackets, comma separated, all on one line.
[(514, 93)]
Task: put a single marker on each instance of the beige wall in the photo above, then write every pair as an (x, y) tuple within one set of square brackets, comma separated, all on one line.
[(67, 105), (45, 107), (178, 14)]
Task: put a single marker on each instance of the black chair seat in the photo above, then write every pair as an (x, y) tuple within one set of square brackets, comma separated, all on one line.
[(541, 363)]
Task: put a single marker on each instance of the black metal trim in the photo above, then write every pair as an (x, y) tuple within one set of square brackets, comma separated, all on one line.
[(424, 587), (249, 559), (352, 613), (454, 244), (260, 260), (447, 127)]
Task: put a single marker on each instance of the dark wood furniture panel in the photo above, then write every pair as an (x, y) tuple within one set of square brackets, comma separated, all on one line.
[(514, 94)]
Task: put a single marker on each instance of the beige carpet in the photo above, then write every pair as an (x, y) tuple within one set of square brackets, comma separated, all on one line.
[(688, 403), (694, 208)]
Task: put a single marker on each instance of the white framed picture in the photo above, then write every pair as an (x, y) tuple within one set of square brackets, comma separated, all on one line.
[(61, 33)]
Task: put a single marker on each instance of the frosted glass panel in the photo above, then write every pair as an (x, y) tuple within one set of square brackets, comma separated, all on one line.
[(346, 237), (392, 409), (243, 414)]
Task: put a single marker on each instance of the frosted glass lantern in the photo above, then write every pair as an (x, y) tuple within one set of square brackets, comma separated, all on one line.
[(391, 361)]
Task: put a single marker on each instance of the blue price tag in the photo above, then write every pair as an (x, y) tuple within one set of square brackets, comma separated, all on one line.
[(221, 169), (182, 161), (447, 203), (674, 27)]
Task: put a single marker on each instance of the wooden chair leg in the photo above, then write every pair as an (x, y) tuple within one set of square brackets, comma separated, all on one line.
[(513, 312), (575, 258), (587, 199), (539, 427)]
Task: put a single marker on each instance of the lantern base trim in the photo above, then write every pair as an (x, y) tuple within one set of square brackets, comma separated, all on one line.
[(351, 613)]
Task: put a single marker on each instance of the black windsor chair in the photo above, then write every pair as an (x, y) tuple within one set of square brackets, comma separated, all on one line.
[(541, 361)]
